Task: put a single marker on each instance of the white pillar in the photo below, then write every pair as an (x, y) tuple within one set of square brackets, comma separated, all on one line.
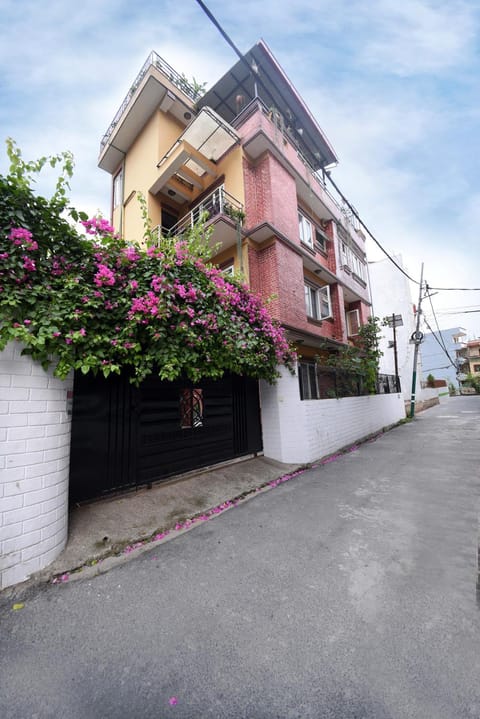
[(35, 427), (283, 420)]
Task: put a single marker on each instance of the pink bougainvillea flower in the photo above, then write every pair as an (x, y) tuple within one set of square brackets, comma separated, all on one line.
[(20, 233), (104, 276), (173, 701), (28, 264)]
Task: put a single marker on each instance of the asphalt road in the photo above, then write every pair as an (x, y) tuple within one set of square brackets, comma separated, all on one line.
[(348, 592)]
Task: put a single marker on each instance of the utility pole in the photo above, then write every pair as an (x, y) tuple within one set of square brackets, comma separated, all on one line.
[(417, 338), (395, 356)]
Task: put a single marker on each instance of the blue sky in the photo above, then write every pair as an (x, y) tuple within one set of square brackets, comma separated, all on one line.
[(394, 85)]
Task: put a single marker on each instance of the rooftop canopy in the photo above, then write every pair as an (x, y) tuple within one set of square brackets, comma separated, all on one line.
[(258, 75)]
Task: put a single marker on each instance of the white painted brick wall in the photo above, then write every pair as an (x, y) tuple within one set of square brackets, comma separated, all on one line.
[(297, 431), (34, 461)]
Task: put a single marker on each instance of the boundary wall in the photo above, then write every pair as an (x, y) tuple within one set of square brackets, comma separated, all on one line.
[(35, 425), (302, 431)]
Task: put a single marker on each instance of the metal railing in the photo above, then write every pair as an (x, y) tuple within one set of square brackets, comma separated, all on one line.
[(333, 382), (219, 202), (178, 80), (277, 119)]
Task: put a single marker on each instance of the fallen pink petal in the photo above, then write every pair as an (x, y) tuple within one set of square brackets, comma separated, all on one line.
[(173, 701)]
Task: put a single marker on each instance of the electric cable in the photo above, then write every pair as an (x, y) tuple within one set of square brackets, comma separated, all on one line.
[(226, 37), (435, 318), (370, 234), (437, 340), (457, 289)]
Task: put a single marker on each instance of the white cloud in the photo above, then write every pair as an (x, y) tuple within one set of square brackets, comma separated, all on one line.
[(394, 84), (419, 36)]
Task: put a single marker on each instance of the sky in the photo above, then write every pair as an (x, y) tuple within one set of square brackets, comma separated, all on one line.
[(394, 86)]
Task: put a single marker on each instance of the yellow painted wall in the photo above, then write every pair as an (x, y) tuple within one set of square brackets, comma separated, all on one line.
[(232, 167), (156, 138)]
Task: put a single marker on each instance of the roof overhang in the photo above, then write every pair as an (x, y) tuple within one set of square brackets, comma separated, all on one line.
[(258, 74), (152, 94), (191, 161)]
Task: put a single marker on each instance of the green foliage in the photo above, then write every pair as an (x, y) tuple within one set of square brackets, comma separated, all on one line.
[(430, 380), (472, 381), (361, 359), (96, 304)]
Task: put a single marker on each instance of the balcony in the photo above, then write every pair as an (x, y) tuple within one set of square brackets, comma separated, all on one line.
[(262, 130), (220, 211), (190, 165), (157, 86)]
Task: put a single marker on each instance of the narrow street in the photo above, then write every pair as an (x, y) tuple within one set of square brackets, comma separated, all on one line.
[(349, 592)]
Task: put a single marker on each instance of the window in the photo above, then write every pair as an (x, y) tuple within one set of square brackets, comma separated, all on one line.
[(308, 233), (476, 367), (307, 377), (349, 259), (353, 322), (118, 189), (320, 240), (305, 230), (228, 268), (317, 302), (191, 408)]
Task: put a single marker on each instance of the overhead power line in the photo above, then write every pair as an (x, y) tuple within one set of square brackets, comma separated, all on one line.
[(228, 39), (457, 289), (354, 212), (370, 234), (438, 341), (462, 312)]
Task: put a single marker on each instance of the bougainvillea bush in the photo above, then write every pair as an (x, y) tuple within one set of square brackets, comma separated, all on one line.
[(91, 302)]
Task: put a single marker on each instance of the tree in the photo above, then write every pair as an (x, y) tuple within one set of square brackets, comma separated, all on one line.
[(361, 359)]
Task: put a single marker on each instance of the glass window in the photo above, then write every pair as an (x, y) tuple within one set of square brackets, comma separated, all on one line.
[(191, 408), (353, 322), (317, 302), (305, 230), (320, 240), (118, 189), (307, 377)]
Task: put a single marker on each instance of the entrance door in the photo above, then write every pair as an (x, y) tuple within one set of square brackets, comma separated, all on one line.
[(124, 436)]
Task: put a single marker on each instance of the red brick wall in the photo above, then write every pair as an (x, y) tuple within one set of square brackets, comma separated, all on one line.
[(270, 196), (278, 270), (365, 310), (263, 272)]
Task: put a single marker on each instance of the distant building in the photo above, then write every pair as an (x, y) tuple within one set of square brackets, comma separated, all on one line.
[(391, 296), (468, 358), (440, 362)]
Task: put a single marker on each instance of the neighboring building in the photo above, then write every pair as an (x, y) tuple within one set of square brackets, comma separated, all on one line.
[(468, 357), (440, 362), (249, 150), (391, 296)]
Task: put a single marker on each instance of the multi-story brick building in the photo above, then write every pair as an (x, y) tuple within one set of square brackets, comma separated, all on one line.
[(468, 357), (249, 149), (250, 157)]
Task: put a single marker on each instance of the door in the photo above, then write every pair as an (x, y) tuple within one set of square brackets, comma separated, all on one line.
[(124, 436)]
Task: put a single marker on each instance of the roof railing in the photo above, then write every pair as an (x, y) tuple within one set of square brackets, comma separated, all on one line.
[(169, 72)]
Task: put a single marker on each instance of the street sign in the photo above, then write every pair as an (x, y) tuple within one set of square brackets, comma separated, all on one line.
[(394, 320)]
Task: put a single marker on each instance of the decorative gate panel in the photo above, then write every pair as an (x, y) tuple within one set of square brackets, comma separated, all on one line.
[(124, 436)]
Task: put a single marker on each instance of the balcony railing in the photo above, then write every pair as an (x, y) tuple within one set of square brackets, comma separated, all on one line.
[(219, 202), (282, 128), (153, 60)]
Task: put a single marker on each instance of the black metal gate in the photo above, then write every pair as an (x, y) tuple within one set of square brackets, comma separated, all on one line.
[(124, 436)]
